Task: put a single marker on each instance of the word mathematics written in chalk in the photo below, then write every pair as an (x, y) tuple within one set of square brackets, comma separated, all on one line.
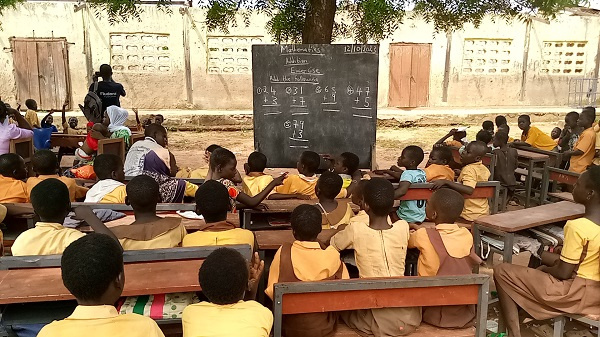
[(321, 98)]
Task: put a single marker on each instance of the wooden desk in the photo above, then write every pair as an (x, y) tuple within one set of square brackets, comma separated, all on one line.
[(272, 240), (45, 284), (282, 206), (64, 140), (564, 196), (508, 223), (530, 160), (189, 224)]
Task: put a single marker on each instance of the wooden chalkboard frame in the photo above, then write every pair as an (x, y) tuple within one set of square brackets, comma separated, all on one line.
[(321, 98)]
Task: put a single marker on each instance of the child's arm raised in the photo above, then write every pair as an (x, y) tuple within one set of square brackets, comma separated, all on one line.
[(443, 139), (43, 122), (257, 199), (85, 213), (64, 115)]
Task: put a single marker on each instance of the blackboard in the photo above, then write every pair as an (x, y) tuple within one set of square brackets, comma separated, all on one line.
[(321, 98)]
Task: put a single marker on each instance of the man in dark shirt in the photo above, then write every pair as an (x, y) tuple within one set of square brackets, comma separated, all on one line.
[(109, 91)]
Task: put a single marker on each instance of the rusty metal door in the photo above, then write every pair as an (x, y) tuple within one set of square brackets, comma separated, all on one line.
[(409, 74), (42, 71)]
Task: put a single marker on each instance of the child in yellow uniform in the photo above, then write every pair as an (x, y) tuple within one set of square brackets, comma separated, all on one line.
[(305, 260), (45, 164), (212, 202), (50, 201), (301, 185), (148, 231), (12, 174), (31, 114), (255, 180), (380, 251), (109, 188), (445, 250), (473, 172), (584, 150), (96, 291), (224, 278), (533, 136), (457, 138), (597, 155), (201, 172), (568, 283), (439, 164), (2, 216), (334, 212)]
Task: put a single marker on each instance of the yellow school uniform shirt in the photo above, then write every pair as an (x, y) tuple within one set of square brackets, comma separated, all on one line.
[(102, 321), (187, 172), (69, 130), (325, 223), (45, 239), (587, 144), (244, 318), (536, 138), (12, 190), (236, 236), (75, 191), (458, 242), (310, 262), (470, 176), (117, 196), (32, 117), (254, 185), (145, 238), (190, 189), (597, 131), (298, 184), (439, 172), (578, 234), (378, 253)]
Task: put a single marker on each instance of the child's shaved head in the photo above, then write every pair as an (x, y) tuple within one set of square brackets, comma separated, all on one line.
[(447, 204)]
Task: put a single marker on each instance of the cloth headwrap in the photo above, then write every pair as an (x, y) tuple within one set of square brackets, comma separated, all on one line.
[(118, 117)]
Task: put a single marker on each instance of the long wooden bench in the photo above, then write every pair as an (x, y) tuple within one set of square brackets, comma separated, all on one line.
[(342, 295), (114, 146), (65, 140), (24, 148), (556, 176)]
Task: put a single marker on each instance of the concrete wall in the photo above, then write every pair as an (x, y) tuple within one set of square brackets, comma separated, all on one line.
[(167, 89)]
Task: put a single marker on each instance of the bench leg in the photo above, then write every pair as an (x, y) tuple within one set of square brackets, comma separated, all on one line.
[(482, 310), (509, 239), (528, 184), (559, 326), (477, 243)]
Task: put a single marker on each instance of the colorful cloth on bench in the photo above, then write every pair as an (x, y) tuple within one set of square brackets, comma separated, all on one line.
[(162, 306)]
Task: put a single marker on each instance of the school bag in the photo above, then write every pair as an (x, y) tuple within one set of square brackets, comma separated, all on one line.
[(453, 316), (92, 105)]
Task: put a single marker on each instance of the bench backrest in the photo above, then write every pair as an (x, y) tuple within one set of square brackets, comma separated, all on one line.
[(556, 175), (114, 146), (130, 256), (341, 295), (66, 140), (24, 148), (487, 189), (137, 137)]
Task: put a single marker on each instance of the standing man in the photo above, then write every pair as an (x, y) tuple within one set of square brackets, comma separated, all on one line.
[(108, 90)]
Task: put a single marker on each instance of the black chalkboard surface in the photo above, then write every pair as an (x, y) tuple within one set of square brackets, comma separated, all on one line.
[(321, 98)]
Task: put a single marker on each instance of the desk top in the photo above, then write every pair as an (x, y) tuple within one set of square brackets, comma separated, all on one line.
[(288, 206), (524, 154), (566, 196), (272, 240), (45, 284), (515, 221)]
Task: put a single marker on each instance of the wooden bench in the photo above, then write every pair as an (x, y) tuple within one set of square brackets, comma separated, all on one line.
[(564, 196), (114, 146), (273, 239), (342, 295), (136, 136), (556, 176), (559, 323), (529, 160), (24, 148), (65, 140)]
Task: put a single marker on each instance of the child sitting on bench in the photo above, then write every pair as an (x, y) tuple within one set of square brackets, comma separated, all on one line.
[(568, 283), (473, 172), (507, 161), (301, 185), (212, 202), (305, 260), (439, 164), (50, 201), (380, 251), (45, 164), (411, 211), (445, 250), (334, 212), (148, 231), (223, 169), (255, 180), (224, 278), (96, 291), (12, 173), (110, 188)]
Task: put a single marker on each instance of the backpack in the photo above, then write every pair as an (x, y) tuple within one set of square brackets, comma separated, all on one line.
[(92, 106)]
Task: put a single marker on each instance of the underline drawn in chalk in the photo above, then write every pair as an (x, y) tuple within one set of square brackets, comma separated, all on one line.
[(358, 108), (331, 110), (299, 140), (329, 103), (271, 105), (299, 146), (272, 113), (276, 82), (299, 113), (362, 116)]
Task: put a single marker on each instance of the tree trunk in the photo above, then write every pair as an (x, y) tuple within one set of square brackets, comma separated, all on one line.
[(318, 27)]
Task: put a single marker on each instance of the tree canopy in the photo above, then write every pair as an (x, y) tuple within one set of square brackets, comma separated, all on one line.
[(323, 21)]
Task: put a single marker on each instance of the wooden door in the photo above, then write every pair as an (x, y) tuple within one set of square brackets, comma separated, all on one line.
[(409, 75), (42, 71)]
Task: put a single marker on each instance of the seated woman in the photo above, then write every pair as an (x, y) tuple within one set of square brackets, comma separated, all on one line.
[(115, 119), (88, 149), (10, 131), (568, 283), (172, 190)]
